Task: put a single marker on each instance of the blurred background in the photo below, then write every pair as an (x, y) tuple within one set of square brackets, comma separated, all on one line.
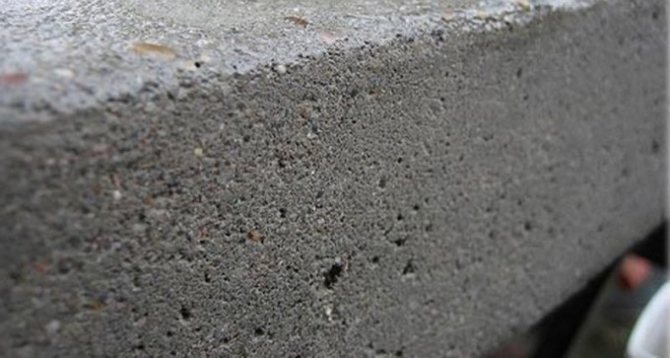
[(598, 321)]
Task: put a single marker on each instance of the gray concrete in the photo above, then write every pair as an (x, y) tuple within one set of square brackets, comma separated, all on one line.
[(414, 181)]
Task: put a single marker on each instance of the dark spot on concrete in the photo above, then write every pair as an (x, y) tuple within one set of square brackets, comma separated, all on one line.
[(259, 331), (655, 146), (438, 34), (400, 242), (332, 275), (409, 268), (528, 226), (429, 227), (382, 182), (519, 72), (375, 259), (185, 313), (655, 13)]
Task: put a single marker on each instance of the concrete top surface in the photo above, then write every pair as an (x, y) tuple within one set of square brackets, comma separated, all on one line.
[(60, 56)]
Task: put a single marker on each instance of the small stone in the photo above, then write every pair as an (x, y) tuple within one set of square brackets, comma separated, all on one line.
[(281, 69), (153, 49), (198, 152), (329, 313), (52, 327), (64, 72), (297, 20), (116, 194), (13, 78), (328, 38), (150, 107), (448, 16), (482, 15), (524, 5), (255, 236)]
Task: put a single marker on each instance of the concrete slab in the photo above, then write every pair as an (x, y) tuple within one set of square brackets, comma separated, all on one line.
[(305, 179)]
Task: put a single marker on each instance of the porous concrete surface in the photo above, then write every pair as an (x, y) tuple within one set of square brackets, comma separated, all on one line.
[(412, 183)]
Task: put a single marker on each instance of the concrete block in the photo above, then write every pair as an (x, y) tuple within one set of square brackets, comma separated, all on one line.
[(307, 179)]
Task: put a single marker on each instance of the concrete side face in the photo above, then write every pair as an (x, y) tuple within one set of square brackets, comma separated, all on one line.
[(425, 198)]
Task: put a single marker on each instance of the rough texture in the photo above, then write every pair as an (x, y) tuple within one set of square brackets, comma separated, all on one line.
[(427, 195)]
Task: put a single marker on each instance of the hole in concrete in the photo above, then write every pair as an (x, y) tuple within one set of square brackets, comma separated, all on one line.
[(528, 226), (399, 217), (655, 146), (429, 227), (331, 276), (382, 182), (409, 268), (375, 259), (140, 347), (197, 64), (400, 242), (185, 313), (282, 213), (259, 331)]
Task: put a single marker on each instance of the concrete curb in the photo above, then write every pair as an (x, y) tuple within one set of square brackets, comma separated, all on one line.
[(426, 196)]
